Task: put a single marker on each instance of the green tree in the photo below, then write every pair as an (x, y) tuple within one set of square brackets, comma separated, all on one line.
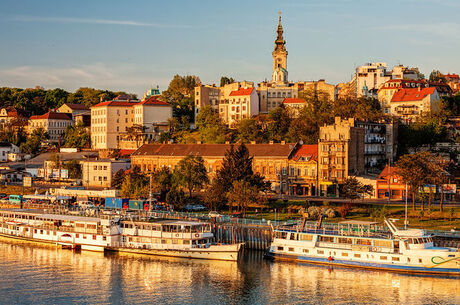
[(162, 181), (191, 173), (176, 198), (210, 126), (77, 136), (436, 76), (180, 94), (74, 169), (33, 143), (353, 189), (224, 80), (243, 195), (247, 131), (135, 184), (118, 179)]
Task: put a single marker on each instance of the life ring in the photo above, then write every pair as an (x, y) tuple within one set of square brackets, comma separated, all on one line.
[(330, 258), (374, 249), (197, 235), (177, 234)]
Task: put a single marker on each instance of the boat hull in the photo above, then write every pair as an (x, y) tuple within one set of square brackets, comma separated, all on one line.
[(364, 265), (220, 252)]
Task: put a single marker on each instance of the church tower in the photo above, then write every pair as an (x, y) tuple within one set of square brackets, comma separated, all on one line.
[(280, 74)]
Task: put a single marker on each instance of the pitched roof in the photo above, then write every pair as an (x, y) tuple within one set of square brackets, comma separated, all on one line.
[(242, 91), (411, 94), (292, 100), (76, 106), (213, 150), (308, 152), (388, 171), (126, 152), (51, 116), (115, 103), (153, 101)]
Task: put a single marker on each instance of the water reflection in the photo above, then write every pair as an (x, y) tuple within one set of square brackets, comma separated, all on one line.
[(37, 274)]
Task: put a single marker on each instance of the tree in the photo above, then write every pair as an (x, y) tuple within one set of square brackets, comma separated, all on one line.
[(135, 184), (236, 166), (191, 173), (118, 179), (135, 133), (436, 76), (74, 169), (210, 126), (77, 136), (243, 195), (353, 189), (415, 170), (162, 181), (176, 198), (247, 131), (181, 95), (33, 143), (224, 80)]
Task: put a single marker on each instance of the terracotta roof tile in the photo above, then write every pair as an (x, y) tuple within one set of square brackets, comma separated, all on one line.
[(213, 150), (153, 101), (309, 152), (242, 91), (411, 94), (115, 103), (51, 116), (76, 106), (292, 100)]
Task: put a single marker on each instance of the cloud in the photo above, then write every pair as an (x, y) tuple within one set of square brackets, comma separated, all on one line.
[(450, 30), (97, 75), (96, 21)]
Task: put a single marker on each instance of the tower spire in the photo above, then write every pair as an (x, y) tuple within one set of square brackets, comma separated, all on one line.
[(279, 42)]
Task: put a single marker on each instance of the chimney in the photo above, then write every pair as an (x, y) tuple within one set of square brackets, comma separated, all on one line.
[(283, 142), (199, 142), (253, 142), (271, 142), (227, 142)]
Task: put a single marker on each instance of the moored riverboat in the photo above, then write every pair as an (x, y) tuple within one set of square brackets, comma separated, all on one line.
[(67, 231), (175, 238), (366, 245)]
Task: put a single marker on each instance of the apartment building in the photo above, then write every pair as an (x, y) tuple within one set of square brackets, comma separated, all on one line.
[(73, 109), (294, 105), (12, 117), (242, 104), (340, 154), (410, 103), (99, 173), (128, 123), (54, 123)]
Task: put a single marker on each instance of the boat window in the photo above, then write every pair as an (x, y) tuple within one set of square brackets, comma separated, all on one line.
[(281, 235), (344, 254), (395, 259), (360, 241), (292, 236), (382, 243), (343, 240), (305, 251), (291, 249), (280, 248), (306, 237), (357, 255), (329, 239), (420, 260), (320, 251), (383, 258)]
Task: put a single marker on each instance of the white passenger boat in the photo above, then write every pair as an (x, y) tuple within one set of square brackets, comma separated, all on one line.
[(174, 238), (365, 245), (68, 231)]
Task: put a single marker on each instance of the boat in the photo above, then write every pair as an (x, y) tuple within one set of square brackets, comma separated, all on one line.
[(129, 234), (366, 245), (174, 238), (66, 231)]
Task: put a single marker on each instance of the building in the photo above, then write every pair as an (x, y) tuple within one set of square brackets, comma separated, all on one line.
[(73, 109), (389, 182), (13, 117), (99, 173), (6, 149), (294, 105), (303, 171), (340, 154), (453, 81), (125, 123), (54, 123), (388, 89), (320, 86), (380, 144), (269, 160), (243, 104), (410, 103)]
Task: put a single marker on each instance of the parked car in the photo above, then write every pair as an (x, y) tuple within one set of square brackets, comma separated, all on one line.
[(214, 214), (86, 205), (195, 207), (3, 196)]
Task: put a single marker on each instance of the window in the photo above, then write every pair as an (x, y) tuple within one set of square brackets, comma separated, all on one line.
[(95, 167), (320, 251), (94, 237), (305, 251), (291, 249), (344, 254), (357, 255), (395, 259), (280, 248), (384, 258)]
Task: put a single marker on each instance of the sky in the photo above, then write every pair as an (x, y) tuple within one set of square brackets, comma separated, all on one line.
[(134, 45)]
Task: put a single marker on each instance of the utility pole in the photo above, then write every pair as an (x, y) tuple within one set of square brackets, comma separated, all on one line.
[(389, 182)]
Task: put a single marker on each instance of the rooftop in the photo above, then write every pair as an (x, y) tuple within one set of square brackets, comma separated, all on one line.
[(242, 91), (76, 106), (51, 115), (412, 94), (292, 100)]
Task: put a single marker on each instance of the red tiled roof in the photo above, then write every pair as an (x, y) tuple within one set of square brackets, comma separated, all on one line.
[(452, 76), (388, 171), (76, 106), (309, 152), (153, 101), (51, 116), (292, 100), (126, 152), (411, 94), (213, 150), (242, 91), (115, 103)]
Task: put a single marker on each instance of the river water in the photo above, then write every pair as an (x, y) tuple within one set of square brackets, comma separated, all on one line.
[(35, 274)]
